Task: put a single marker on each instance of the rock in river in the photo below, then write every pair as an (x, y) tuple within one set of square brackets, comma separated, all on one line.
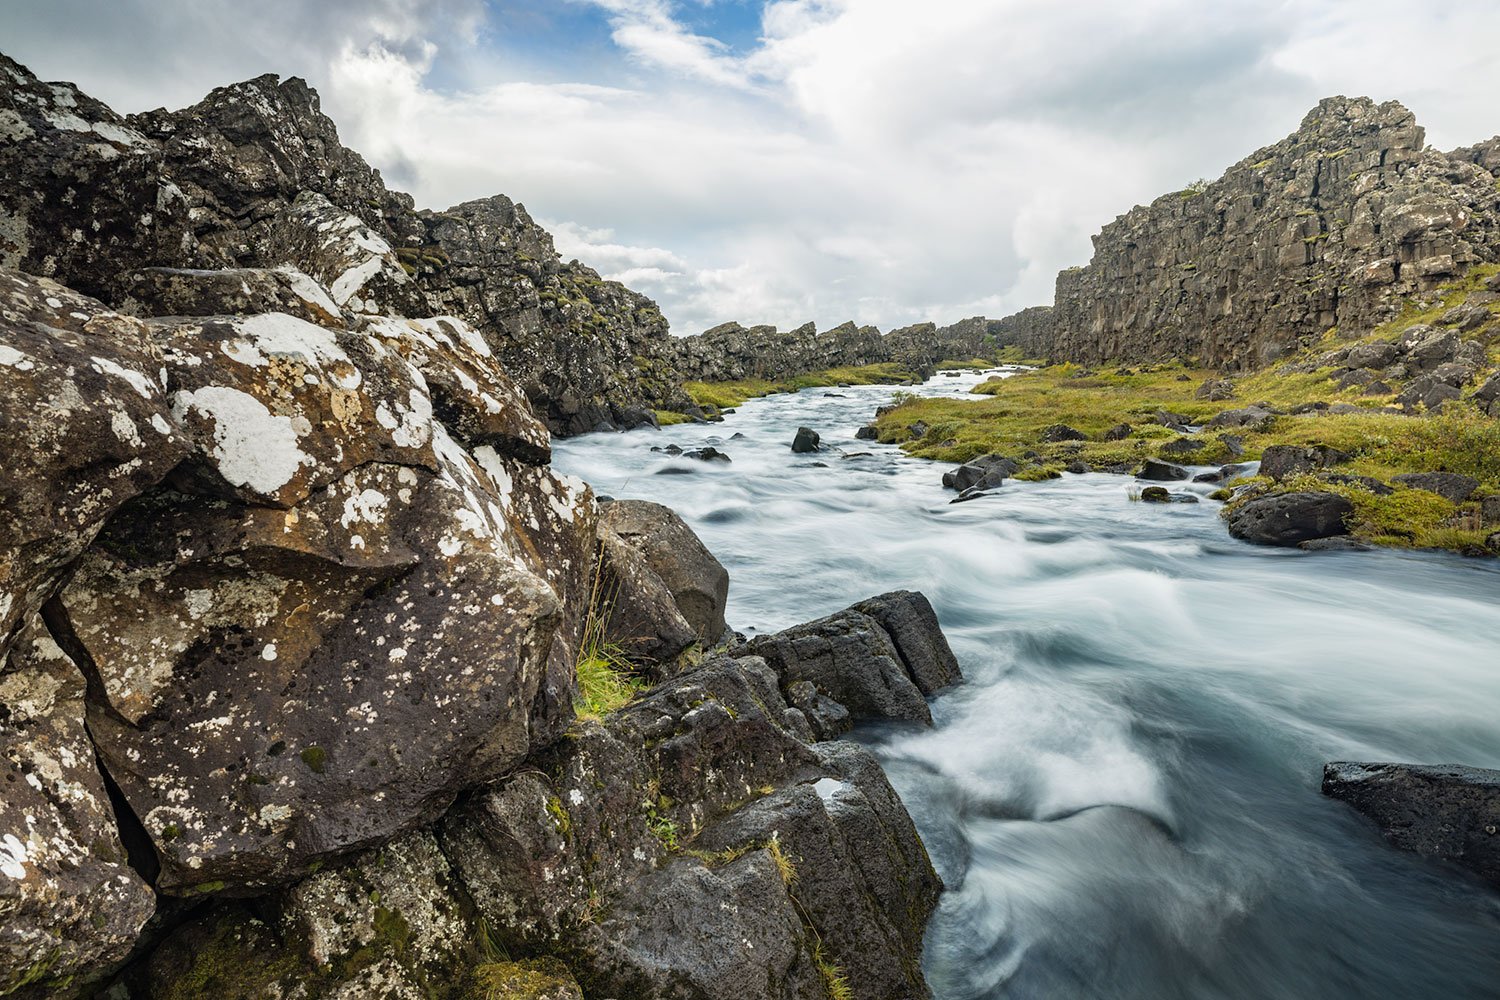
[(1440, 811)]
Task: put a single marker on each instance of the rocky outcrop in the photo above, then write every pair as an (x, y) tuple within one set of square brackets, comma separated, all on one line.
[(1334, 226), (1450, 813), (731, 352), (242, 198)]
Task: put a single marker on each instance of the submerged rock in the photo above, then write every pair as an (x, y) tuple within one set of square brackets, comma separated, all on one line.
[(1449, 812)]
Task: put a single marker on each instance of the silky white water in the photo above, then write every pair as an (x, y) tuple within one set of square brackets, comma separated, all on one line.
[(1123, 798)]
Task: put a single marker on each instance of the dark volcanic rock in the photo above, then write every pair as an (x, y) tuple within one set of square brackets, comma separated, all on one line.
[(868, 433), (1290, 518), (583, 855), (1282, 460), (1335, 225), (908, 618), (982, 473), (1062, 432), (1161, 471), (806, 440), (699, 585), (1448, 485), (1449, 812)]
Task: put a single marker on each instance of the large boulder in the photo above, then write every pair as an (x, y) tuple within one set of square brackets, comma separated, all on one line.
[(805, 440), (697, 583), (1161, 472), (1290, 518), (1448, 812)]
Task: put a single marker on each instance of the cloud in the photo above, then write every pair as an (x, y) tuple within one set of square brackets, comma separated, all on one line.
[(866, 160)]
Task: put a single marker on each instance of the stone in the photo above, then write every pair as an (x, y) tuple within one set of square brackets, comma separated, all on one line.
[(1215, 389), (1466, 317), (1061, 432), (72, 904), (1337, 543), (1448, 485), (707, 454), (1118, 432), (1370, 483), (806, 440), (850, 658), (697, 582), (1156, 494), (910, 621), (869, 432), (1288, 519), (1376, 355), (1160, 471), (1221, 475), (175, 291), (1281, 461), (983, 473), (1181, 448), (1252, 418), (1445, 812)]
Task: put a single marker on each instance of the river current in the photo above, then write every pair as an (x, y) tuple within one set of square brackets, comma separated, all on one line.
[(1123, 798)]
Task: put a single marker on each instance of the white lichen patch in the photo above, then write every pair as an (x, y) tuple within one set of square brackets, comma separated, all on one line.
[(140, 383), (252, 446)]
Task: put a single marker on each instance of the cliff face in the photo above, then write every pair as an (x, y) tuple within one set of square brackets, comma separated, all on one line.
[(1333, 226), (254, 176), (731, 351)]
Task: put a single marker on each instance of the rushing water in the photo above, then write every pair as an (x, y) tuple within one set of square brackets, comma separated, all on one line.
[(1123, 799)]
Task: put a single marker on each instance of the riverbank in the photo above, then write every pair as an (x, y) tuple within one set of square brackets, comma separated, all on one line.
[(1352, 418)]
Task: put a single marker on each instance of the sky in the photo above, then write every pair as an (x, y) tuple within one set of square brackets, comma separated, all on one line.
[(780, 161)]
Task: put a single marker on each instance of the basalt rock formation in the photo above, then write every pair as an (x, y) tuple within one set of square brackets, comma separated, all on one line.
[(1334, 226), (292, 604), (254, 178), (731, 352)]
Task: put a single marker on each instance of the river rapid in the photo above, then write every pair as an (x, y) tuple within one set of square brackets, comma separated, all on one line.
[(1123, 798)]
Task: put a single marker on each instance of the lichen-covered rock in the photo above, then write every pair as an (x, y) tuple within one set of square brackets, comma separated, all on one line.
[(70, 904), (1449, 812), (83, 402), (699, 585), (657, 854), (278, 407), (237, 291), (391, 923)]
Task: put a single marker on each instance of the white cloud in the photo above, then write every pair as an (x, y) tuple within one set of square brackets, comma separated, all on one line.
[(874, 160)]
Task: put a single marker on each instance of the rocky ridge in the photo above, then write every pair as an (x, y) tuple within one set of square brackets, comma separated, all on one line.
[(1334, 226), (292, 607)]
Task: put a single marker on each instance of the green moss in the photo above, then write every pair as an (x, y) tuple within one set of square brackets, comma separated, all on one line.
[(666, 418), (559, 815), (529, 980), (315, 757)]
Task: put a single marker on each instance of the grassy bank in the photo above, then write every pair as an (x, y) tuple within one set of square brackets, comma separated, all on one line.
[(724, 395), (1115, 409)]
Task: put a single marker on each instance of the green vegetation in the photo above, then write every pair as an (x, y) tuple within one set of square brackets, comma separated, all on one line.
[(1013, 412), (969, 365), (316, 759), (833, 976), (528, 980), (666, 418), (724, 395), (605, 679)]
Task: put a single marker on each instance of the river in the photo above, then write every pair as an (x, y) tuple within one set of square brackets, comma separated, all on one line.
[(1123, 798)]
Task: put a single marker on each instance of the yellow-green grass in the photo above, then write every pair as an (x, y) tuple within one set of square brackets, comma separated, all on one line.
[(1014, 354), (969, 365), (666, 418), (724, 395)]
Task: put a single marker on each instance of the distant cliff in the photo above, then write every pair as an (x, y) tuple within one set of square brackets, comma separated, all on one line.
[(1334, 226), (730, 352)]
